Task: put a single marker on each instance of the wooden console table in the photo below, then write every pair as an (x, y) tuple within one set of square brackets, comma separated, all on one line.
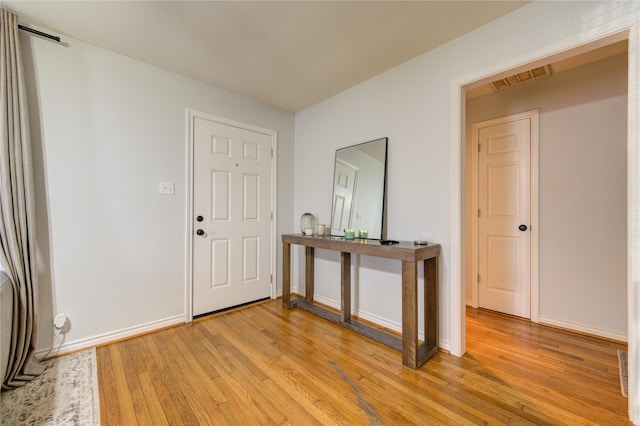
[(414, 353)]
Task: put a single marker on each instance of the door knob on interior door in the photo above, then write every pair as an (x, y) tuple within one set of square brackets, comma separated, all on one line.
[(522, 227), (200, 232)]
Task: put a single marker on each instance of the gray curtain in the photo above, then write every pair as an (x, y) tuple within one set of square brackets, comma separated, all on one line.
[(17, 212)]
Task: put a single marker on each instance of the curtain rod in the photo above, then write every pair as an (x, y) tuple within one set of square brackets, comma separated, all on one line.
[(40, 33)]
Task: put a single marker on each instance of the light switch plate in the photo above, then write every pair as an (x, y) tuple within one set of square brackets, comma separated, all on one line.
[(167, 188)]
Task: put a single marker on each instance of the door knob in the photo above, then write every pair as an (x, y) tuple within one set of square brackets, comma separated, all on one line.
[(522, 227), (200, 232), (199, 218)]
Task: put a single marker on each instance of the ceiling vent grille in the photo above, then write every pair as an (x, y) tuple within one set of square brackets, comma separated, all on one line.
[(523, 77)]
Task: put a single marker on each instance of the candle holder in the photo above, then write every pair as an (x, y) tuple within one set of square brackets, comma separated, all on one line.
[(307, 224)]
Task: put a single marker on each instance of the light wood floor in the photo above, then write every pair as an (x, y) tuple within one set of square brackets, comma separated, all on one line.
[(266, 365)]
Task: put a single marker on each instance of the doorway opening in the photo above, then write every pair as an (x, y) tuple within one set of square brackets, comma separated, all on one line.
[(467, 86), (621, 29), (583, 186)]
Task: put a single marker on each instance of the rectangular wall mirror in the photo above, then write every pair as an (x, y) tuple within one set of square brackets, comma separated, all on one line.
[(359, 186)]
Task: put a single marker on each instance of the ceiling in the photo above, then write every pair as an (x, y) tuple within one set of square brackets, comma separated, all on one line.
[(290, 54)]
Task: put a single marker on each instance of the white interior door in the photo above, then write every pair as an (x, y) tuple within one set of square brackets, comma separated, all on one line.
[(344, 187), (504, 217), (232, 215)]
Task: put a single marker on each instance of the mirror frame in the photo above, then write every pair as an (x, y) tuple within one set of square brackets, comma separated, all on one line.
[(383, 200)]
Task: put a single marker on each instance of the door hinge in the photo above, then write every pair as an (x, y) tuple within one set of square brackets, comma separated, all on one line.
[(271, 152), (478, 277), (271, 278), (478, 147), (271, 215), (478, 212)]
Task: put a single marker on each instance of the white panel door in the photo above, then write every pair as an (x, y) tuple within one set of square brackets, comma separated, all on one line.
[(504, 237), (232, 216), (344, 187)]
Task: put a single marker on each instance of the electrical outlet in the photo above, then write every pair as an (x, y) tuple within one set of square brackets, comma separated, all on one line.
[(59, 321), (167, 188)]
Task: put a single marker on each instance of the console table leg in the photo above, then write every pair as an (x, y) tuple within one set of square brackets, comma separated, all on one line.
[(410, 314), (431, 303), (345, 287), (309, 274), (286, 275)]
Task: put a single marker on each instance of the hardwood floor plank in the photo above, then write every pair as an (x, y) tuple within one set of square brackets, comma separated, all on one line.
[(177, 385), (157, 374), (272, 366), (414, 411), (124, 399), (289, 375), (247, 383), (140, 407), (110, 412), (589, 398), (293, 411), (153, 402), (197, 386), (239, 382), (439, 405), (237, 393)]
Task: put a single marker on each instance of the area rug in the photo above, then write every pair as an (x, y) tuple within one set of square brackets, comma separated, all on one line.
[(65, 394), (624, 381)]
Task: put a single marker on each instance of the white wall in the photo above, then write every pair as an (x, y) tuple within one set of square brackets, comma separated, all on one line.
[(106, 130), (411, 105), (583, 197)]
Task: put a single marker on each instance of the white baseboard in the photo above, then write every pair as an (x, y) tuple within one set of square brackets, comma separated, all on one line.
[(608, 334), (101, 339), (105, 338)]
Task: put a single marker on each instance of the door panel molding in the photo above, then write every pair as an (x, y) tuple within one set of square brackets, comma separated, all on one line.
[(219, 147), (533, 116)]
